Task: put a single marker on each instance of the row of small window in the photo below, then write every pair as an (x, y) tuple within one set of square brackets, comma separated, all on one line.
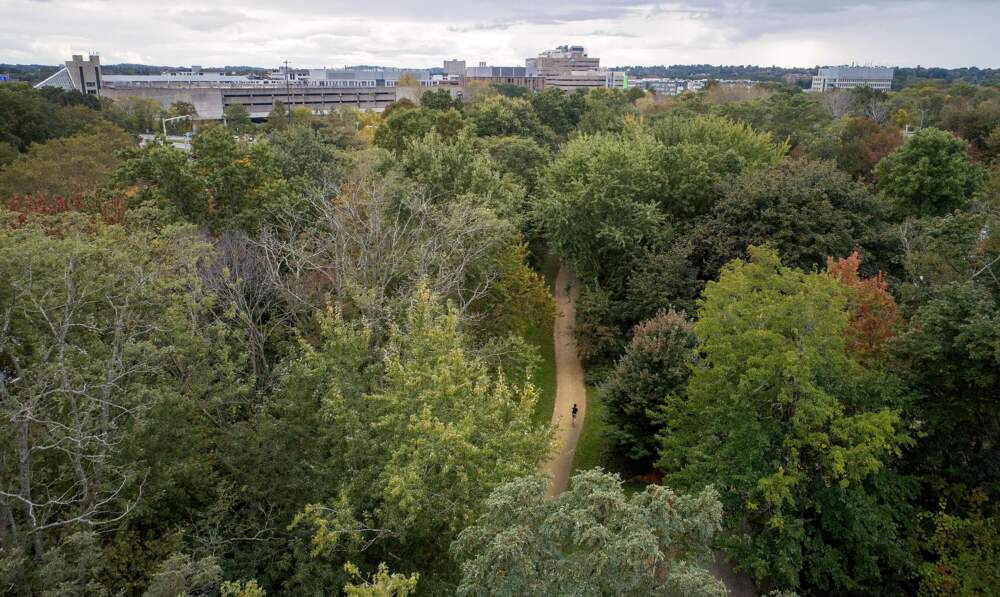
[(348, 83)]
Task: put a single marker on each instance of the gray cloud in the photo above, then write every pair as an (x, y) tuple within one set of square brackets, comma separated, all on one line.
[(318, 32), (210, 19), (611, 34)]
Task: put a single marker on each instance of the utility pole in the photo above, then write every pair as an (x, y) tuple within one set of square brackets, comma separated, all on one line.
[(288, 94)]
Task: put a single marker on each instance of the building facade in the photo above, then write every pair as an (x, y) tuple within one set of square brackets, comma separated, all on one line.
[(501, 75), (561, 61), (78, 75), (850, 77), (319, 90), (569, 68), (454, 68)]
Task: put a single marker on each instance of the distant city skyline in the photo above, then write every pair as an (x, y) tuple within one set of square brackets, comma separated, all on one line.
[(315, 33)]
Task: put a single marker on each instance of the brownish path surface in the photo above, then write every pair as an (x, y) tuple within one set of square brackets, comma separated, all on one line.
[(570, 389)]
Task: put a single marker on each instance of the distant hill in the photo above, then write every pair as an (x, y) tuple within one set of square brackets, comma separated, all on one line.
[(905, 76), (29, 73)]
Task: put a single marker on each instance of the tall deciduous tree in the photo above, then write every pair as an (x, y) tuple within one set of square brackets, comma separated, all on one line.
[(863, 144), (81, 163), (651, 376), (929, 175), (874, 316), (700, 154), (499, 116), (87, 318), (807, 210), (421, 439), (590, 540), (600, 200), (951, 353), (238, 118), (789, 427)]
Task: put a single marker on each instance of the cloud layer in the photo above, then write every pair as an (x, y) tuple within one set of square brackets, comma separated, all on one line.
[(406, 33)]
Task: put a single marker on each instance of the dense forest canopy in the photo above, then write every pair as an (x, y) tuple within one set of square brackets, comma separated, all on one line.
[(314, 356)]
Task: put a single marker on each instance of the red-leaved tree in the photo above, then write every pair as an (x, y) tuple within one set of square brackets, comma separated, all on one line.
[(874, 315), (111, 211)]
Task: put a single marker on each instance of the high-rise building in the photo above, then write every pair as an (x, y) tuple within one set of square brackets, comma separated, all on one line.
[(561, 61), (454, 68), (849, 77), (570, 68), (79, 75)]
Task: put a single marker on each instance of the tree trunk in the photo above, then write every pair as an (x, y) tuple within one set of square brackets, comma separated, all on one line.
[(24, 476)]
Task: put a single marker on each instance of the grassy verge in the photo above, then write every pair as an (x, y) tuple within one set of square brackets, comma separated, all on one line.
[(592, 448), (544, 376)]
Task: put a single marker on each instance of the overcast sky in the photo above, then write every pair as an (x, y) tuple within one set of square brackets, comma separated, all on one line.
[(315, 33)]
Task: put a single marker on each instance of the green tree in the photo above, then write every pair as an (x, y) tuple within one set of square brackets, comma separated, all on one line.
[(342, 129), (8, 153), (791, 429), (599, 202), (223, 183), (279, 117), (590, 540), (807, 210), (438, 99), (519, 157), (966, 556), (951, 354), (663, 279), (553, 110), (27, 116), (863, 144), (973, 121), (136, 114), (382, 583), (930, 174), (499, 116), (182, 575), (403, 126), (605, 110), (82, 163), (91, 313), (460, 169), (74, 567), (700, 154), (425, 440), (791, 116), (238, 119), (651, 374), (956, 248), (300, 152)]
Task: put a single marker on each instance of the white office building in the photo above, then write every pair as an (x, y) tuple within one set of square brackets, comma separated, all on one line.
[(849, 77)]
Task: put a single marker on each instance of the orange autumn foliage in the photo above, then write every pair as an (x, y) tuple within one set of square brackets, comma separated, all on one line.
[(874, 315), (112, 211)]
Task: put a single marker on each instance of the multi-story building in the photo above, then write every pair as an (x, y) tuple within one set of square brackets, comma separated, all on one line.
[(319, 90), (849, 77), (501, 75), (79, 75), (570, 68), (382, 77), (454, 68), (660, 86), (561, 61)]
